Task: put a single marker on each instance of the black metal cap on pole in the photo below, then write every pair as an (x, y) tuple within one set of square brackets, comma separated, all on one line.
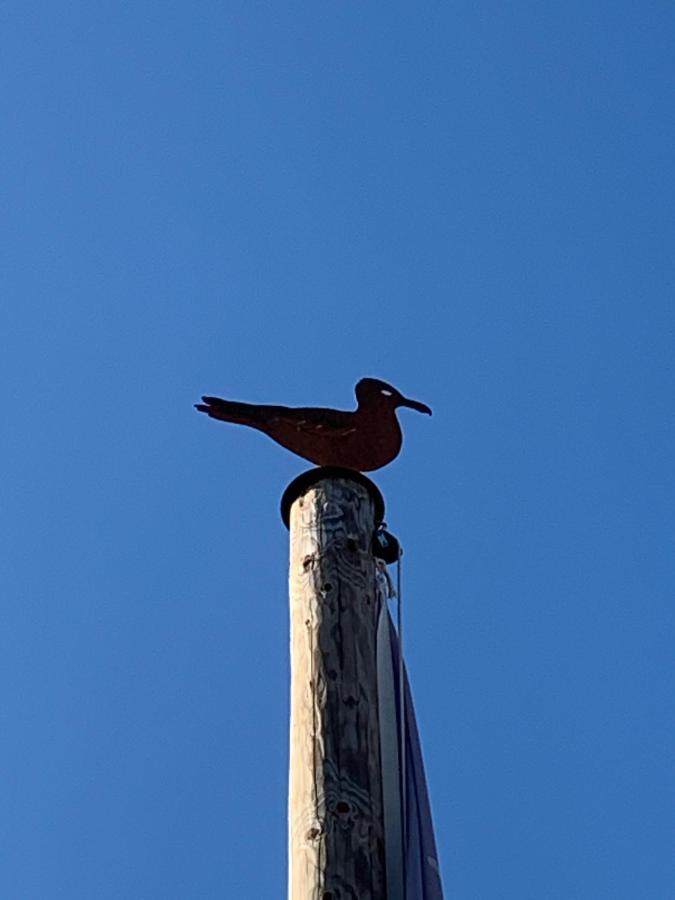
[(304, 482)]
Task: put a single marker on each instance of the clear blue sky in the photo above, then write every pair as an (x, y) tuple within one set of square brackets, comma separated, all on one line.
[(267, 201)]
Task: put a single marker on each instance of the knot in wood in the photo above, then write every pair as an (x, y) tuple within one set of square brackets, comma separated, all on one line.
[(346, 815)]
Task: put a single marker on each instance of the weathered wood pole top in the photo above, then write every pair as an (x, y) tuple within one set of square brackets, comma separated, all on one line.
[(307, 479), (336, 831)]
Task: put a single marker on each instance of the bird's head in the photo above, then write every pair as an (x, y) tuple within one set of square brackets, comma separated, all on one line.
[(373, 392)]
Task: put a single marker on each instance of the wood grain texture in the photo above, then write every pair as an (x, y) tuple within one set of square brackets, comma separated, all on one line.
[(336, 840)]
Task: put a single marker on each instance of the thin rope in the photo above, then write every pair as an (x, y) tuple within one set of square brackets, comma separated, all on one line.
[(401, 720)]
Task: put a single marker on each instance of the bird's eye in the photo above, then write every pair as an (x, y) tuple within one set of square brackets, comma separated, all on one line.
[(386, 393)]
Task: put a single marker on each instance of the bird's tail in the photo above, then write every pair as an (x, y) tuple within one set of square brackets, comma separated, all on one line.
[(229, 410)]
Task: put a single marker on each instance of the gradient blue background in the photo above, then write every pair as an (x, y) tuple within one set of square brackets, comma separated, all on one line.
[(267, 201)]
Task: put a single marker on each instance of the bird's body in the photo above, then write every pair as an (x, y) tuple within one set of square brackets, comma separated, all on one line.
[(365, 439)]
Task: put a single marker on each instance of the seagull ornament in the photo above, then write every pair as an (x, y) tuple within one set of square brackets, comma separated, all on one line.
[(367, 438)]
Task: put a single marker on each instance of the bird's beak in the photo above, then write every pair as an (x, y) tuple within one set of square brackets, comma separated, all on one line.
[(414, 404)]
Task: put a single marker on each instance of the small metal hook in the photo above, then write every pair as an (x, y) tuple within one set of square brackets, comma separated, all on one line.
[(385, 546)]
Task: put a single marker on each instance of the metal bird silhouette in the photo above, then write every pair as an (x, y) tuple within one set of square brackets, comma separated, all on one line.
[(364, 439)]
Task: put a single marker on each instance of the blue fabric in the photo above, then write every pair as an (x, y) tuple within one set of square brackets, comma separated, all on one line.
[(421, 868)]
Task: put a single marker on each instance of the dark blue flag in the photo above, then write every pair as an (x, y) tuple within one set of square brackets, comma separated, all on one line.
[(410, 848)]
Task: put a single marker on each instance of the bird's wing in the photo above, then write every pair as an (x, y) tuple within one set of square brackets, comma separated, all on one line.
[(298, 420), (314, 421)]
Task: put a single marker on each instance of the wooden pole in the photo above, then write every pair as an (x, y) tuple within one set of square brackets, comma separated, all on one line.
[(336, 832)]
